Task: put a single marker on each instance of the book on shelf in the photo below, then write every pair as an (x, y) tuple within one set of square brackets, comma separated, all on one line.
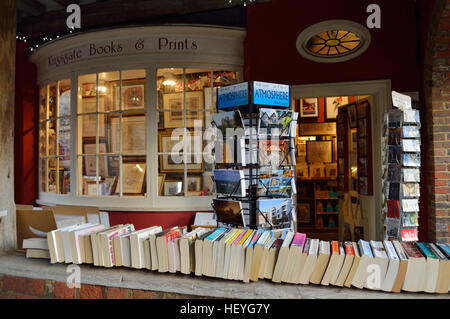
[(402, 268), (300, 263), (272, 257), (367, 258), (239, 255), (230, 182), (347, 264), (208, 268), (265, 255), (105, 243), (137, 239), (173, 254), (77, 241), (122, 250), (215, 250), (443, 282), (35, 243), (415, 273), (355, 265), (283, 255), (322, 262), (432, 267), (310, 262), (258, 249), (332, 263), (37, 253), (339, 264), (187, 250), (393, 267), (295, 251), (198, 248), (162, 245), (233, 255), (227, 255), (249, 255), (381, 259), (221, 252)]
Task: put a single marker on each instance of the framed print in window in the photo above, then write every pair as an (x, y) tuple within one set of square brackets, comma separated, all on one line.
[(89, 125), (309, 107), (173, 188), (210, 95), (133, 133), (133, 178), (175, 103), (319, 151), (133, 95), (161, 178), (332, 104), (89, 167), (174, 162), (194, 183)]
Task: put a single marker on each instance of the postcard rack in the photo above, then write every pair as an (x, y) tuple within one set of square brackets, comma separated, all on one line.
[(253, 168), (402, 177)]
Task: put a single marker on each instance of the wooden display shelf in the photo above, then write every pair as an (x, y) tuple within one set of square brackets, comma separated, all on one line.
[(327, 213), (315, 179)]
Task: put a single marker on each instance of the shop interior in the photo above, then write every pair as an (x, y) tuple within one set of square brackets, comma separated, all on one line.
[(333, 156)]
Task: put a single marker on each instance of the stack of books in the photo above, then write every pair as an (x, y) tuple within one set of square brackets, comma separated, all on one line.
[(243, 254), (36, 248)]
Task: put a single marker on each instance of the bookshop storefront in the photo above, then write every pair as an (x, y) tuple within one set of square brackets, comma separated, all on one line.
[(107, 110)]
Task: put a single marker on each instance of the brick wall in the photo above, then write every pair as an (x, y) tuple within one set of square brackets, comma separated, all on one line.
[(437, 118), (29, 288)]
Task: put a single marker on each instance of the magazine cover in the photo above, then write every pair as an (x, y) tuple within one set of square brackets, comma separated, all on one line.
[(276, 212), (230, 182), (229, 212), (275, 122), (274, 153)]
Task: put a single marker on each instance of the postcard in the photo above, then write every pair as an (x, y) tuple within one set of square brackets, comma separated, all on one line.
[(276, 212), (410, 190), (410, 220), (395, 154), (274, 153), (393, 227), (395, 119), (411, 159), (228, 121), (411, 145), (410, 131), (411, 175), (411, 116), (395, 136), (410, 205), (230, 182), (410, 234), (393, 208), (393, 191), (276, 122), (229, 212), (394, 173)]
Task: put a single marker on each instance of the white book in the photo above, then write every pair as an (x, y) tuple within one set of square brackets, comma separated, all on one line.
[(360, 278), (36, 243), (37, 253), (394, 264), (137, 245), (381, 259), (339, 264), (310, 262), (76, 245)]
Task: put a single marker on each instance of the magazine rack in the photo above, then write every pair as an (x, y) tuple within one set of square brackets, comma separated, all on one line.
[(249, 108)]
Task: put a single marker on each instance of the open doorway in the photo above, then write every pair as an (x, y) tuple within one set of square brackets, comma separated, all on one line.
[(339, 158)]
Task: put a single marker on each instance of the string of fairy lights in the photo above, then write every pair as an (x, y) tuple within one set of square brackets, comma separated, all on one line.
[(38, 43)]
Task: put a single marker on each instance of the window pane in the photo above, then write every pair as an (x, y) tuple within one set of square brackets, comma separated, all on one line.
[(51, 175), (64, 175), (52, 101), (198, 79), (43, 139), (133, 133), (64, 98), (87, 93), (169, 80), (87, 127), (171, 175), (108, 91), (64, 136), (112, 139), (52, 137), (87, 173), (43, 175), (109, 177), (133, 89), (134, 175), (43, 104)]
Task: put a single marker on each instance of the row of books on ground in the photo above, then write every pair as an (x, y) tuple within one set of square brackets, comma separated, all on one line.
[(249, 255)]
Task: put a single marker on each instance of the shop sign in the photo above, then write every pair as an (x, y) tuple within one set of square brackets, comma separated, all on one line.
[(233, 95), (271, 94)]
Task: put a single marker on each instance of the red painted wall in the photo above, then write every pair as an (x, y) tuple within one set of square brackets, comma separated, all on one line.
[(147, 219), (25, 128), (273, 27)]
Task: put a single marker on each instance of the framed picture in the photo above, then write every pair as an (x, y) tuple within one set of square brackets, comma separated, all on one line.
[(133, 95), (363, 166), (173, 188), (351, 109), (89, 125), (304, 213), (332, 104), (169, 162), (331, 170), (133, 182), (174, 102), (88, 89), (194, 183), (309, 107), (90, 188), (89, 160), (311, 129), (133, 133), (362, 127), (108, 186), (362, 147), (363, 109), (319, 151), (363, 185), (317, 170), (161, 178), (302, 170)]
